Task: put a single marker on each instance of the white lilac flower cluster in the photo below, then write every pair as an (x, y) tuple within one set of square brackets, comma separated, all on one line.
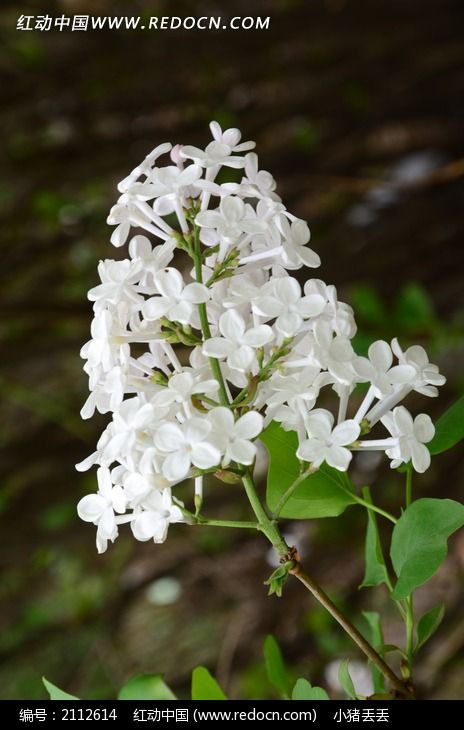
[(193, 364)]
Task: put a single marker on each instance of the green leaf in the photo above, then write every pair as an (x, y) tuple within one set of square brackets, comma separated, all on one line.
[(275, 667), (345, 679), (419, 541), (368, 304), (375, 570), (326, 493), (376, 639), (56, 693), (146, 687), (204, 686), (389, 648), (277, 579), (414, 309), (428, 624), (303, 690), (449, 429)]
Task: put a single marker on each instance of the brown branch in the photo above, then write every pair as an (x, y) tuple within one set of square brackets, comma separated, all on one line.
[(402, 689)]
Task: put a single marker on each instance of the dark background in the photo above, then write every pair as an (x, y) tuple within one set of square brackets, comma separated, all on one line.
[(357, 109)]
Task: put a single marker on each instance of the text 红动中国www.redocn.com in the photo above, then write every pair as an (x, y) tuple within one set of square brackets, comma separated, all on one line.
[(153, 23)]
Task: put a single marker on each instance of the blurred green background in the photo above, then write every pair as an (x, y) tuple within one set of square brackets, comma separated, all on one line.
[(357, 109)]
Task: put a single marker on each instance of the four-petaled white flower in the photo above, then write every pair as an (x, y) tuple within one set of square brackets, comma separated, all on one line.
[(296, 236), (153, 521), (186, 444), (231, 220), (237, 344), (182, 386), (235, 437), (377, 369), (427, 374), (167, 184), (219, 152), (99, 508), (117, 279), (412, 435), (281, 298), (175, 300), (325, 443)]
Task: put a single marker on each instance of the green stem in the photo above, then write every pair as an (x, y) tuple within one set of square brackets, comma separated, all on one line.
[(408, 486), (409, 600), (265, 524), (200, 520), (215, 366), (368, 505), (352, 632), (288, 492), (262, 373), (271, 530), (409, 631)]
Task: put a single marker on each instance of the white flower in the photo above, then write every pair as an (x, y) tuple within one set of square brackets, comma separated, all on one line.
[(230, 137), (126, 213), (175, 300), (144, 167), (186, 444), (325, 444), (257, 182), (108, 346), (129, 429), (427, 374), (231, 219), (168, 185), (237, 344), (299, 390), (219, 152), (118, 279), (412, 436), (100, 508), (377, 369), (296, 236), (281, 298), (151, 260), (138, 486), (235, 436), (181, 387), (153, 521)]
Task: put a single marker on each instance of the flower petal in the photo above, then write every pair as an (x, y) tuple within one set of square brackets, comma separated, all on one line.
[(218, 347), (232, 326), (241, 358), (195, 293), (312, 450), (424, 430), (169, 437), (221, 419), (197, 429), (241, 451), (345, 433), (420, 457), (249, 425), (338, 457), (403, 420), (258, 336), (205, 455), (319, 423), (380, 355), (91, 507), (156, 307), (170, 283), (176, 466)]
